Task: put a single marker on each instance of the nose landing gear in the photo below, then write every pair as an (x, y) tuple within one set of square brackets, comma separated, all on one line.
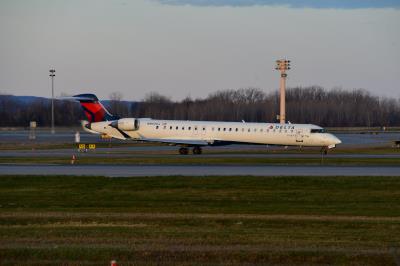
[(324, 150)]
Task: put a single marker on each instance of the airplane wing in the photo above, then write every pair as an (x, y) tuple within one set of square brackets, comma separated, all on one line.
[(179, 141)]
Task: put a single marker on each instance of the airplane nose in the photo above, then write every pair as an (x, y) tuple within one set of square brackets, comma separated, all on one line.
[(335, 140)]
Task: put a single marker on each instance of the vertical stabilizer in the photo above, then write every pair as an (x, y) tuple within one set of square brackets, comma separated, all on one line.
[(94, 110)]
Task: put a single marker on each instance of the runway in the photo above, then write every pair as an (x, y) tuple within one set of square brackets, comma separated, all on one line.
[(173, 170), (163, 152), (68, 136)]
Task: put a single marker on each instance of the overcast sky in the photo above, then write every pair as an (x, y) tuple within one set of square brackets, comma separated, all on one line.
[(185, 48)]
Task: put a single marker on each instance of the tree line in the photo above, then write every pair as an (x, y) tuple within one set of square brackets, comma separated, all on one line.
[(315, 105)]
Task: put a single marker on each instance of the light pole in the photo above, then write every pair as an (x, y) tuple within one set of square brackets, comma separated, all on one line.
[(282, 65), (52, 75)]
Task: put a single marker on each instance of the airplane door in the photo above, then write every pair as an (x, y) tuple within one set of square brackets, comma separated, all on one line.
[(202, 131), (199, 131), (299, 135)]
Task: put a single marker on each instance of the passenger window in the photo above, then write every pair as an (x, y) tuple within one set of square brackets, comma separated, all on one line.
[(237, 129), (156, 127), (248, 130), (195, 128), (219, 129), (176, 128), (189, 128), (170, 127), (183, 128), (224, 128), (204, 128), (165, 127), (230, 129)]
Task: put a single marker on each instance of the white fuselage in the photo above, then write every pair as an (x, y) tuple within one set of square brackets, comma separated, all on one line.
[(218, 133)]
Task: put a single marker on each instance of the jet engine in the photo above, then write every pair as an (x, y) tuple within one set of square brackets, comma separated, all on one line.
[(126, 124)]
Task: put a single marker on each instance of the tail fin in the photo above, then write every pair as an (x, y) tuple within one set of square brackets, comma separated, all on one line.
[(94, 110)]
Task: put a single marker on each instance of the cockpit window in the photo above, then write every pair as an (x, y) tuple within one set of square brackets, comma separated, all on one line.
[(317, 130)]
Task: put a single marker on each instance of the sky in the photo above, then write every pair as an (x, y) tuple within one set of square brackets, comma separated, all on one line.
[(183, 48)]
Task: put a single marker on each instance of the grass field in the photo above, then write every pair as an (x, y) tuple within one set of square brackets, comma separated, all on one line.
[(69, 145), (199, 220), (388, 148)]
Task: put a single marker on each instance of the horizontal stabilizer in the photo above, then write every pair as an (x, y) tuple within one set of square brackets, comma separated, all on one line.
[(78, 98)]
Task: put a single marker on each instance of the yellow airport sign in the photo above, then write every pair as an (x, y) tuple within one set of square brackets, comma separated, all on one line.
[(87, 146), (82, 146)]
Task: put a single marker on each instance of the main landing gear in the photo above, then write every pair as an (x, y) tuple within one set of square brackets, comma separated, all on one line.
[(197, 150), (185, 151)]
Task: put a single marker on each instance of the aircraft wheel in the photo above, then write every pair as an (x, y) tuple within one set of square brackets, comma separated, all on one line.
[(324, 150), (197, 150), (183, 151)]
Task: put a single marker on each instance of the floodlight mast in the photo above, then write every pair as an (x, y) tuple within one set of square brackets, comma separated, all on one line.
[(282, 65), (52, 75)]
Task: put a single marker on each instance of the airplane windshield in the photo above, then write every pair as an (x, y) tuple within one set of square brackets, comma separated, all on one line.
[(317, 130)]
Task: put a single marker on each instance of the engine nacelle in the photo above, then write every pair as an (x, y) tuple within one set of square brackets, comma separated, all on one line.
[(126, 124)]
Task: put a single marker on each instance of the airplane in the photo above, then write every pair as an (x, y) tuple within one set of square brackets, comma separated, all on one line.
[(197, 134)]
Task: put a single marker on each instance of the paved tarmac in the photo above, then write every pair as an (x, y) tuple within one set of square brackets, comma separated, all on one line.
[(138, 152), (172, 170), (68, 136)]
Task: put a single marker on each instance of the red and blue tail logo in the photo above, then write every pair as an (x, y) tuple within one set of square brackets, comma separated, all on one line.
[(94, 110)]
